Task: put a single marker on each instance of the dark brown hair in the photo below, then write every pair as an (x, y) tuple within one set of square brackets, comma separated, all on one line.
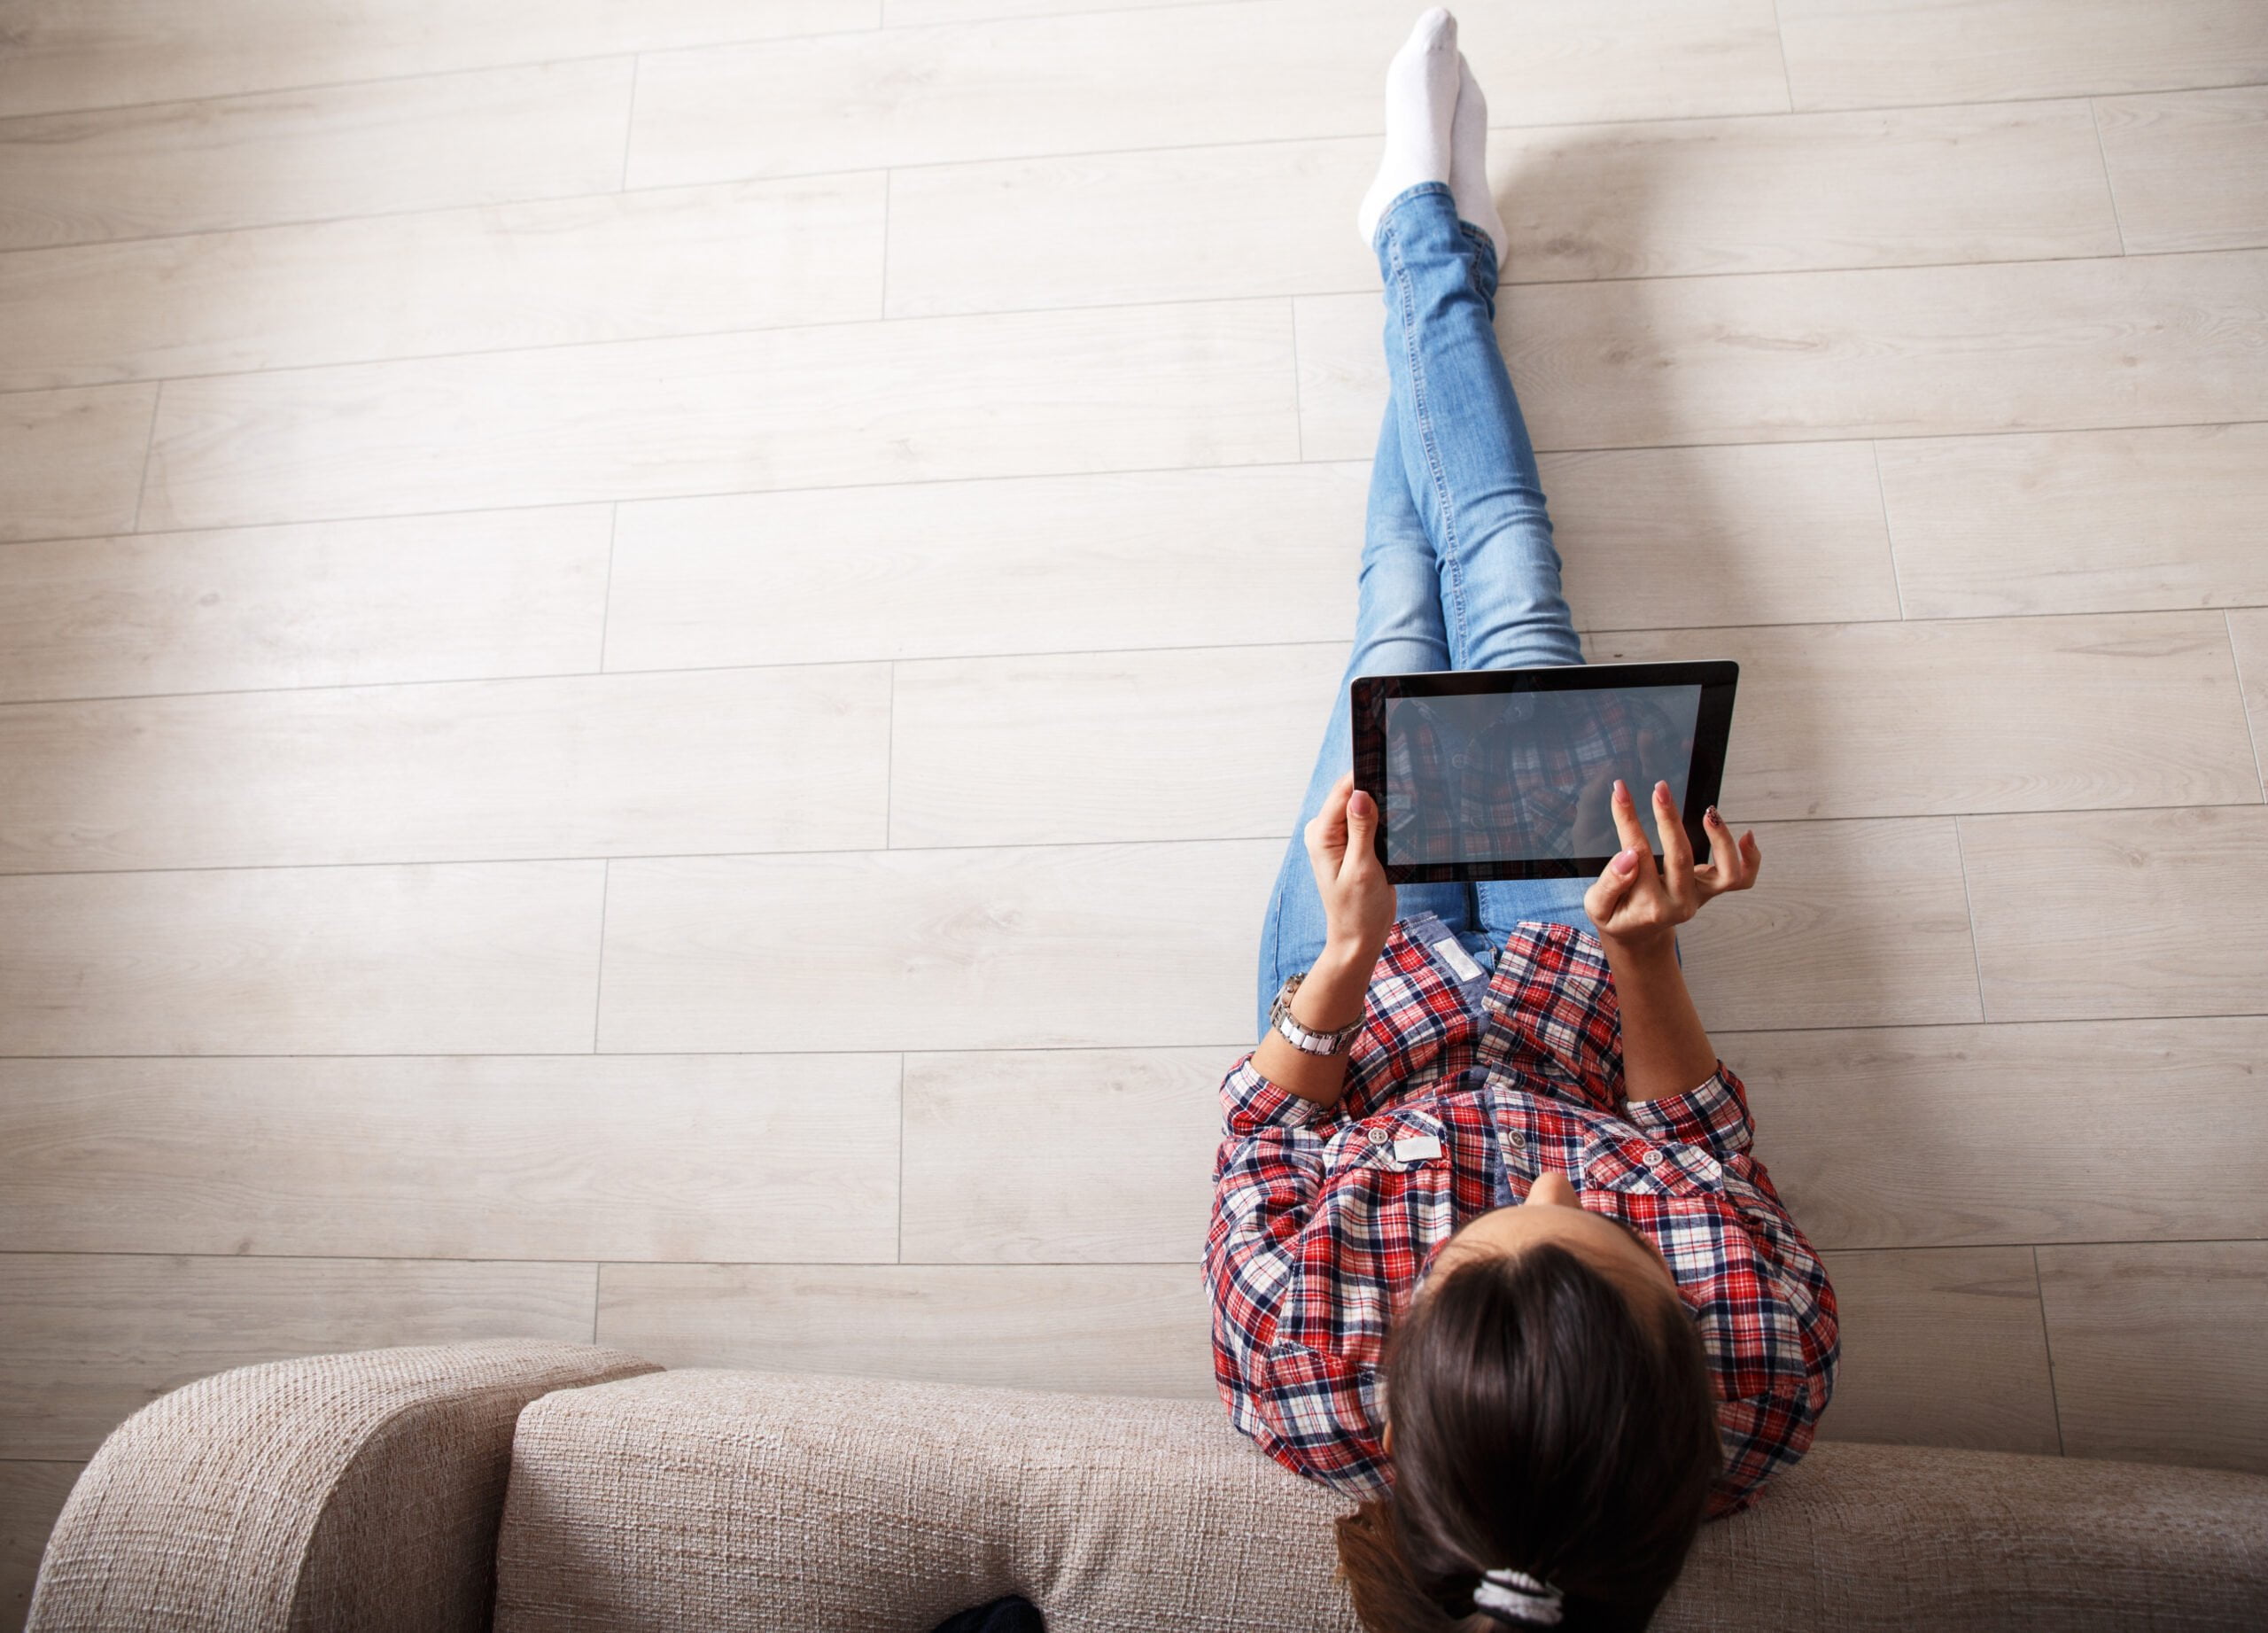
[(1544, 1421)]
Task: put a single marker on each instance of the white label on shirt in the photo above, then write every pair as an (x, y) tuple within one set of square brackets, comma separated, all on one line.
[(1417, 1147), (1456, 957)]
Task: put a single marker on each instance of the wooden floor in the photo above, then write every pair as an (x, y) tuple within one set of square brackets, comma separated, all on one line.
[(613, 620)]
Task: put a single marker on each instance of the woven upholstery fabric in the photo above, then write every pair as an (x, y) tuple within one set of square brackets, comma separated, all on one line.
[(1873, 1539), (733, 1502), (726, 1501), (351, 1493)]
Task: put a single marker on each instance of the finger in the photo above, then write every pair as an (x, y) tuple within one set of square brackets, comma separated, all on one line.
[(1626, 825), (1723, 868), (1612, 885), (1362, 830), (1677, 849), (1328, 831), (1732, 863)]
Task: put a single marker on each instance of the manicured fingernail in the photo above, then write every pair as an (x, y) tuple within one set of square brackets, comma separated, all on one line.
[(1714, 820), (1620, 792), (1661, 790), (1359, 803), (1626, 862)]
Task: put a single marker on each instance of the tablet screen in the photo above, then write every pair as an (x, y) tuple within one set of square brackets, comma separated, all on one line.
[(1509, 773)]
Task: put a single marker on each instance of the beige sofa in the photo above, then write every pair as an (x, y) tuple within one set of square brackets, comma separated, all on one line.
[(572, 1488)]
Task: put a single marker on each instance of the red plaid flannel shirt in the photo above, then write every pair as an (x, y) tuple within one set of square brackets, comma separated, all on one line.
[(1319, 1234)]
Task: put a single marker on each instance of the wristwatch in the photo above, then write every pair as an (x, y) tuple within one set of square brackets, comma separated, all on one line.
[(1299, 1036)]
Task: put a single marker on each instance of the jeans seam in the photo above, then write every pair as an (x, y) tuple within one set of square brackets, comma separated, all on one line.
[(1451, 567)]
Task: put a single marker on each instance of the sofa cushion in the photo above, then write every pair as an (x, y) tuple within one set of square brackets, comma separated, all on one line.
[(769, 1501)]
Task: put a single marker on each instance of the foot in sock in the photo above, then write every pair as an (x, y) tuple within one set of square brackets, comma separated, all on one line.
[(1469, 160), (1421, 86)]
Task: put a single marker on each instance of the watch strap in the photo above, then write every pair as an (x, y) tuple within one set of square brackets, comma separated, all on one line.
[(1302, 1038)]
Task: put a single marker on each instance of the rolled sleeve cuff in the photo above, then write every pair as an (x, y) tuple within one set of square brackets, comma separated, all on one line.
[(1250, 1102), (1714, 1116)]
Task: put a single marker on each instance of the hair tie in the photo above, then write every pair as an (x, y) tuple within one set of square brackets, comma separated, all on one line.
[(1516, 1595)]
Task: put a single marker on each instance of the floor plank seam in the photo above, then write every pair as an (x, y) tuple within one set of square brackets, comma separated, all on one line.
[(1174, 840), (1167, 303), (1017, 655), (1888, 532), (148, 449), (2047, 1351), (1969, 904), (629, 125), (1104, 472), (2109, 180), (598, 976), (2236, 659), (1229, 1052)]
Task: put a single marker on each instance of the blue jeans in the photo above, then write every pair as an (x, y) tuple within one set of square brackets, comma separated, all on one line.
[(1458, 571)]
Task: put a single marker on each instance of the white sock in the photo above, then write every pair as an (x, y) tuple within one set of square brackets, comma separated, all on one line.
[(1469, 161), (1420, 107)]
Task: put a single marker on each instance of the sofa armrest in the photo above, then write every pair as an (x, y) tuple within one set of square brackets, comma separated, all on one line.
[(347, 1492)]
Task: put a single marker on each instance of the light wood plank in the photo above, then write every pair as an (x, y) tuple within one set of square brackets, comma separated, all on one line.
[(1854, 924), (750, 759), (92, 1338), (1089, 1329), (912, 13), (71, 461), (1682, 538), (1064, 946), (68, 54), (2095, 521), (2010, 714), (488, 137), (1650, 537), (1942, 1349), (2096, 915), (1159, 558), (1902, 186), (1201, 743), (2161, 1350), (1851, 53), (2248, 635), (1124, 79), (31, 1497), (1061, 1156), (612, 265), (2190, 170), (1960, 1136), (1770, 357), (475, 958), (330, 603), (783, 1157), (1199, 385), (1273, 218), (1654, 198)]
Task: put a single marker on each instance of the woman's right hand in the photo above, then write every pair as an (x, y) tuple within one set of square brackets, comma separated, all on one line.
[(1639, 907), (1358, 899)]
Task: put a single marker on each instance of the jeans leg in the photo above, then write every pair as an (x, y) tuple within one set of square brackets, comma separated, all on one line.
[(1397, 630), (1471, 471)]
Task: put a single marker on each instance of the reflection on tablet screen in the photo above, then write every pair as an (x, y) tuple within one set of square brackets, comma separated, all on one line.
[(1529, 775)]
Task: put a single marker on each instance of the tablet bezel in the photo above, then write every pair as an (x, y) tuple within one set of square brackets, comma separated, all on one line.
[(1712, 731)]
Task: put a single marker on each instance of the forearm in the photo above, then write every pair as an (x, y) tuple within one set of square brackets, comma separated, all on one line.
[(1330, 998), (1665, 1051)]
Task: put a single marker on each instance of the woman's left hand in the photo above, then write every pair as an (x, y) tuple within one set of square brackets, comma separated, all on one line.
[(1639, 907)]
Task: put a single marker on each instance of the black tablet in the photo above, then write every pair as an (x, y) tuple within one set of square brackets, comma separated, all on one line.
[(1506, 773)]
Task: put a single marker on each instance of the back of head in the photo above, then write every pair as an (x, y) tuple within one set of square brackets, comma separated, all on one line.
[(1545, 1422)]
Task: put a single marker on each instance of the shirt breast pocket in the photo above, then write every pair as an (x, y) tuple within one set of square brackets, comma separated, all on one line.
[(1639, 1167), (1399, 1142)]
